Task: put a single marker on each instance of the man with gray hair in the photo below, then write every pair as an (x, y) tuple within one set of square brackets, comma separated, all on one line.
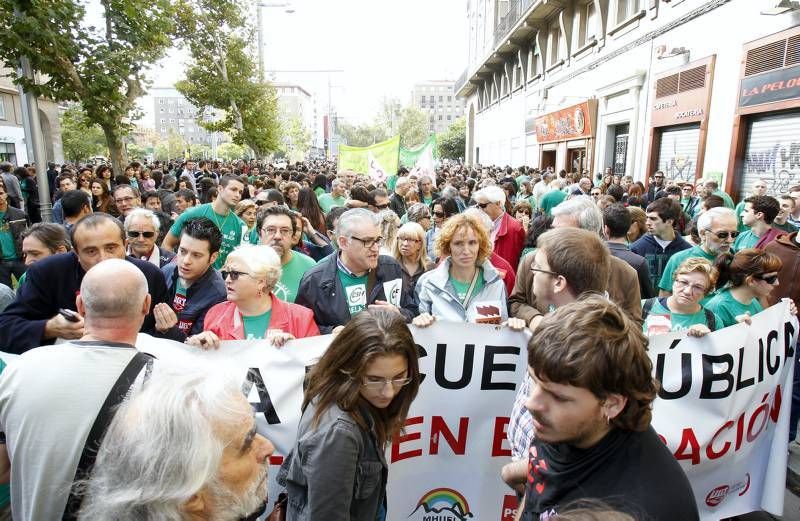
[(397, 201), (507, 234), (141, 229), (168, 451), (50, 396), (356, 277), (623, 283), (13, 188)]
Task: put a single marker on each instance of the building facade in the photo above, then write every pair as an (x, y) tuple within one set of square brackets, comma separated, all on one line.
[(439, 101), (13, 145), (174, 114), (691, 87), (295, 102)]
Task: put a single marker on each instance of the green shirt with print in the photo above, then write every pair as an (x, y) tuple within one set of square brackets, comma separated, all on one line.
[(7, 240), (462, 287), (328, 201), (746, 239), (679, 321), (355, 291), (233, 229), (291, 273), (727, 308), (255, 327), (695, 251)]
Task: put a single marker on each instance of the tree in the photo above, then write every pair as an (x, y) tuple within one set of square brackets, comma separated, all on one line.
[(174, 146), (362, 135), (296, 141), (230, 151), (103, 68), (136, 151), (452, 142), (79, 137), (413, 128), (222, 74)]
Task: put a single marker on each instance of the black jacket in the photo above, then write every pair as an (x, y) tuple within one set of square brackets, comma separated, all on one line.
[(397, 204), (206, 291), (51, 284), (320, 286), (17, 222), (638, 263)]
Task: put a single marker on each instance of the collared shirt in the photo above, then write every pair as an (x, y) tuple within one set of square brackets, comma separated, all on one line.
[(496, 226), (154, 258), (520, 427), (341, 266)]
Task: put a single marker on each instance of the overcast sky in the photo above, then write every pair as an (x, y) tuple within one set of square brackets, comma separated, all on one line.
[(383, 47)]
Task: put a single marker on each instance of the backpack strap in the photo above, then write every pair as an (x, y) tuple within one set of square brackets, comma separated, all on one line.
[(711, 320), (648, 305)]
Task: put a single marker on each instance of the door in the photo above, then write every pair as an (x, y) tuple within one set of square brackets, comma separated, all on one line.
[(548, 159), (576, 160), (772, 153)]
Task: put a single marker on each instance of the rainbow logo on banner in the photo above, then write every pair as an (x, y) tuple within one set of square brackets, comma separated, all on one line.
[(441, 500)]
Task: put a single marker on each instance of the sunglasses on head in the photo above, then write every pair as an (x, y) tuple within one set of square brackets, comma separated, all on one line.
[(726, 234), (769, 279), (133, 234)]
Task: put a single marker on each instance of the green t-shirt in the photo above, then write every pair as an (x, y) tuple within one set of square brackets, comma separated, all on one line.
[(7, 240), (728, 308), (291, 273), (725, 197), (391, 182), (550, 200), (427, 200), (355, 291), (678, 321), (695, 251), (462, 287), (746, 239), (739, 209), (787, 227), (233, 229), (256, 326), (328, 201), (319, 191)]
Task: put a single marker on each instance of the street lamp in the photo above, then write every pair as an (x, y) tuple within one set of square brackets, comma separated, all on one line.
[(288, 9)]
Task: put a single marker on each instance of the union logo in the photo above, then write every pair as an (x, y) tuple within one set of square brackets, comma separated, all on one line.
[(443, 504)]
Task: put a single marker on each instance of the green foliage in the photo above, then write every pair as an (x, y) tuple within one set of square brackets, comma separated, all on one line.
[(413, 127), (79, 137), (231, 151), (362, 135), (453, 142), (296, 141), (222, 74), (103, 68), (171, 148), (136, 152)]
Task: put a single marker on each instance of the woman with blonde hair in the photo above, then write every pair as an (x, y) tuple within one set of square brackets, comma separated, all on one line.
[(389, 223), (246, 210), (410, 251), (692, 281), (465, 287), (638, 224), (252, 311)]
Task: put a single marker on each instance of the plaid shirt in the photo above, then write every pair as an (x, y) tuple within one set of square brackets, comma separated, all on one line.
[(520, 426)]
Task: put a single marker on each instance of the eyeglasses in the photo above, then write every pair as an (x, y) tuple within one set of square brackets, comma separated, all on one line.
[(438, 214), (381, 206), (540, 270), (725, 234), (769, 279), (694, 288), (134, 234), (659, 177), (369, 243), (233, 274), (482, 206), (286, 232), (376, 384), (124, 199)]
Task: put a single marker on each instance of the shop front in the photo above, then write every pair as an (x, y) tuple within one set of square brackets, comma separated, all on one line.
[(566, 137), (766, 130), (678, 120)]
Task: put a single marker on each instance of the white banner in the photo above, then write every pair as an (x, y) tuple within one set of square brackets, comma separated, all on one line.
[(723, 411)]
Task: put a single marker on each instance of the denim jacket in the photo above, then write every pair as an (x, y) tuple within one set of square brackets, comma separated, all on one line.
[(335, 471)]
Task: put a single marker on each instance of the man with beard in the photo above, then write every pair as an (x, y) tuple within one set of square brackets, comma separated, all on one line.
[(276, 226), (344, 284), (591, 403), (185, 447)]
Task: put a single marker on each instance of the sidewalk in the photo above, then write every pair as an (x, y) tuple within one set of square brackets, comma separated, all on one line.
[(793, 472)]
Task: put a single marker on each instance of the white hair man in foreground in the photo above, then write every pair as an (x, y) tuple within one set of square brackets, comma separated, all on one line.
[(185, 447)]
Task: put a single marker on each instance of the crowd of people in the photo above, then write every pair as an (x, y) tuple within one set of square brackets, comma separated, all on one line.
[(202, 252)]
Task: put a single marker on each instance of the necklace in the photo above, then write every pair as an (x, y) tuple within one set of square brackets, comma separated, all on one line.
[(216, 220)]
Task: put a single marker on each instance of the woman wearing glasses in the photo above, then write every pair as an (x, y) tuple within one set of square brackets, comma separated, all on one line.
[(465, 287), (746, 280), (357, 399), (442, 209), (410, 252), (252, 311), (682, 311)]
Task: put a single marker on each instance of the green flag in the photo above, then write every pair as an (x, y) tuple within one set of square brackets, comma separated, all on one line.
[(410, 157), (381, 157)]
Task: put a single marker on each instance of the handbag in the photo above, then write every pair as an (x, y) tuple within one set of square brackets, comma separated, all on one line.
[(279, 509)]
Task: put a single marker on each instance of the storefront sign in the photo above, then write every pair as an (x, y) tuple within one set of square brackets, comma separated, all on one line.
[(574, 122), (769, 87)]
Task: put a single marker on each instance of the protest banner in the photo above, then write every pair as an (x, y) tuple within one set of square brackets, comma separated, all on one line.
[(723, 411), (380, 156), (409, 157)]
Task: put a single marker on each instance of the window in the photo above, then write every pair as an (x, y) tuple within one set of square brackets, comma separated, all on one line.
[(587, 28), (8, 153), (163, 130), (441, 98), (449, 117), (440, 117), (181, 131), (161, 110), (626, 9), (161, 101), (422, 100), (172, 102), (554, 44), (172, 121), (2, 108), (162, 121), (449, 98), (171, 110)]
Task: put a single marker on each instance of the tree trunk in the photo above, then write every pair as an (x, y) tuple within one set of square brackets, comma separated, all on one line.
[(119, 159)]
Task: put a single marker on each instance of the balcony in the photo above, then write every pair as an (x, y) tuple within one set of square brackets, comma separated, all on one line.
[(516, 8)]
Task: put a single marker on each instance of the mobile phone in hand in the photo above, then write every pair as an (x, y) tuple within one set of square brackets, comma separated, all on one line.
[(69, 315)]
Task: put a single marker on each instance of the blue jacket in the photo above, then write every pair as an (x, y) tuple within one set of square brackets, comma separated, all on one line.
[(656, 256), (206, 291), (320, 286), (53, 283)]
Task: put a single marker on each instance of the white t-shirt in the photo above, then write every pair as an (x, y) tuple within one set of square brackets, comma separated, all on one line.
[(49, 399)]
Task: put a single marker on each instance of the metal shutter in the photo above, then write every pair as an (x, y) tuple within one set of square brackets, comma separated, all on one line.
[(677, 155), (772, 153)]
